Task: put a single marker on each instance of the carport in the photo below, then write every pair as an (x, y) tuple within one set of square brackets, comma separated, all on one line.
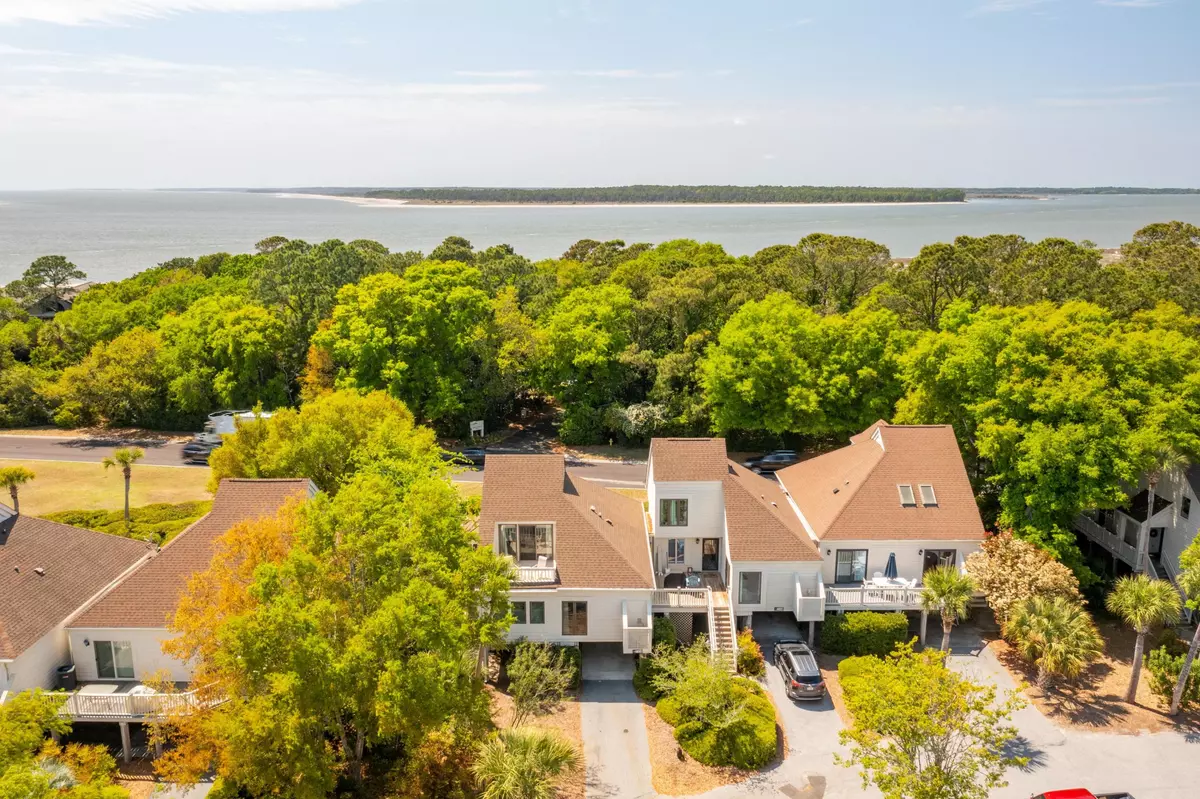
[(605, 661)]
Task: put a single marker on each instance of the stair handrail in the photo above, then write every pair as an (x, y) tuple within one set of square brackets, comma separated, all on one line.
[(712, 626)]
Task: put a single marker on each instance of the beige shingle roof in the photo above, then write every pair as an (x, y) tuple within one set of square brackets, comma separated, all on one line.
[(762, 525), (148, 597), (851, 493), (604, 549), (688, 459), (77, 564)]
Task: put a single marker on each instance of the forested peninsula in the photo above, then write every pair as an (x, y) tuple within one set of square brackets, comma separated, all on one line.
[(673, 194), (1062, 372)]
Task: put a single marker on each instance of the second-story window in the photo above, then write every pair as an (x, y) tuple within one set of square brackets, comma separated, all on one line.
[(526, 543), (673, 513)]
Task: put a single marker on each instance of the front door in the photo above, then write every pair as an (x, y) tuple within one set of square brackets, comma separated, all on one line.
[(1156, 540), (711, 559)]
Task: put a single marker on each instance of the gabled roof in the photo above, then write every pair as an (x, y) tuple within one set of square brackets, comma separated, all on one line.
[(602, 548), (148, 597), (684, 460), (761, 522), (852, 493), (48, 571)]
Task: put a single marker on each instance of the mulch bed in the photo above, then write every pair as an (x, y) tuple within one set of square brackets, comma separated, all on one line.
[(565, 721)]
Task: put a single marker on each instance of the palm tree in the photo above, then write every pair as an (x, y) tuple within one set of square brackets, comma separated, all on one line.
[(1142, 603), (523, 763), (1189, 580), (125, 458), (12, 478), (1163, 457), (1055, 634), (947, 592)]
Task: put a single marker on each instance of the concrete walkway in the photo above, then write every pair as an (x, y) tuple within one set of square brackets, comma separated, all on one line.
[(615, 746)]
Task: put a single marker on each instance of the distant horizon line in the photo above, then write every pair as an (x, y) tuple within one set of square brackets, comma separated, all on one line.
[(1093, 189)]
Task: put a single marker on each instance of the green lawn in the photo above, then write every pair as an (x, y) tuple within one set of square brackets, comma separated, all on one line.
[(61, 486)]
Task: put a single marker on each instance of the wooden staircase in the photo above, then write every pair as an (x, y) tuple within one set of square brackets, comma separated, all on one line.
[(725, 644)]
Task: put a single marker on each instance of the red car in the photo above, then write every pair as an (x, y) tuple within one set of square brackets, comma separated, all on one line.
[(1080, 793)]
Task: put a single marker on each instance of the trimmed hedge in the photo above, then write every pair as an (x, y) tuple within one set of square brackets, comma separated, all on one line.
[(749, 742), (158, 523), (864, 633)]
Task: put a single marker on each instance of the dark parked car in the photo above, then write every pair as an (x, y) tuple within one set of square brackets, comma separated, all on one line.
[(801, 677), (772, 461), (197, 452), (473, 457)]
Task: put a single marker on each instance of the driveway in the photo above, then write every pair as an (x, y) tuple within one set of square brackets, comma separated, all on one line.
[(615, 746), (1149, 766)]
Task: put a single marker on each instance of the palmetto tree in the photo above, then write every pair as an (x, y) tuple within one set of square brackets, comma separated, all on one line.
[(1142, 603), (12, 478), (1162, 457), (948, 593), (124, 458), (523, 763), (1056, 635)]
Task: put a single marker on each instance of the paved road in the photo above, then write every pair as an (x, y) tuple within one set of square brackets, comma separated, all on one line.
[(163, 453), (88, 450)]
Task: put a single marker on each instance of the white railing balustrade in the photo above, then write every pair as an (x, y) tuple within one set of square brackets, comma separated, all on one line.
[(682, 598), (117, 706), (535, 574), (873, 596)]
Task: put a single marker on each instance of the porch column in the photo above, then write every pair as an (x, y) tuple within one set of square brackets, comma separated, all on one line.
[(126, 744), (812, 632), (924, 625)]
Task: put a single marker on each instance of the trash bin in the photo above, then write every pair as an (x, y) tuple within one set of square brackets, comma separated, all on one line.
[(66, 677)]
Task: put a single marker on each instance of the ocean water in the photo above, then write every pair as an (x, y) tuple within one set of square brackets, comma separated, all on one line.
[(112, 234)]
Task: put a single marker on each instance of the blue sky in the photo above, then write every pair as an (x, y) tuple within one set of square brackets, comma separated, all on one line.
[(169, 93)]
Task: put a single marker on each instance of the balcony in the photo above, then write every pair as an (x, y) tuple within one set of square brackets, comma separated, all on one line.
[(637, 633), (1109, 538), (872, 596), (674, 592), (543, 572), (126, 701)]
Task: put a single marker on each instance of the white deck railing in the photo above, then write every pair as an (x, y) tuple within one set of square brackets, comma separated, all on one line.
[(873, 597), (535, 574), (125, 706), (1106, 538), (690, 598), (638, 638)]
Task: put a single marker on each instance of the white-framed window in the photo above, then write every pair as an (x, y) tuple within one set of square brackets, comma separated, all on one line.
[(525, 543), (928, 498), (675, 549), (750, 588), (574, 618), (529, 612), (114, 660), (672, 513), (907, 497)]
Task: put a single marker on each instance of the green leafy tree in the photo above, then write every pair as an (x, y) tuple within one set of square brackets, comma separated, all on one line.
[(454, 248), (1009, 571), (1189, 581), (1142, 603), (124, 458), (524, 764), (427, 337), (1054, 634), (829, 274), (12, 478), (329, 440), (1162, 262), (921, 731), (948, 593), (123, 382), (50, 275), (365, 630), (540, 677)]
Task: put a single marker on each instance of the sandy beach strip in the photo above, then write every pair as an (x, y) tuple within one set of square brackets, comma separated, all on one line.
[(380, 202)]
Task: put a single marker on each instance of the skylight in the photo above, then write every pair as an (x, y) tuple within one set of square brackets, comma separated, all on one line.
[(927, 496), (906, 494)]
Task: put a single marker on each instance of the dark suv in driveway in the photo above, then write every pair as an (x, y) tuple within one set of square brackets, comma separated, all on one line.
[(801, 677), (772, 461)]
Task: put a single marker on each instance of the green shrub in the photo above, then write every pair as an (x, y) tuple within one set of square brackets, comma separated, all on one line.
[(670, 711), (664, 632), (1169, 639), (643, 679), (853, 667), (540, 676), (158, 523), (1164, 669), (750, 657), (864, 633), (572, 661), (748, 741), (581, 424)]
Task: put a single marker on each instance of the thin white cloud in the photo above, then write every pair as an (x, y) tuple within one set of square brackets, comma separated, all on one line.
[(84, 12), (608, 73), (506, 74), (1132, 3), (1100, 102), (1004, 6)]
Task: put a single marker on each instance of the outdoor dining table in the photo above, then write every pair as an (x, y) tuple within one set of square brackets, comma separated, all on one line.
[(888, 582)]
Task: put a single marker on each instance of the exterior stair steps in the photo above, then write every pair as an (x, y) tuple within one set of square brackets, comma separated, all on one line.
[(723, 637)]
